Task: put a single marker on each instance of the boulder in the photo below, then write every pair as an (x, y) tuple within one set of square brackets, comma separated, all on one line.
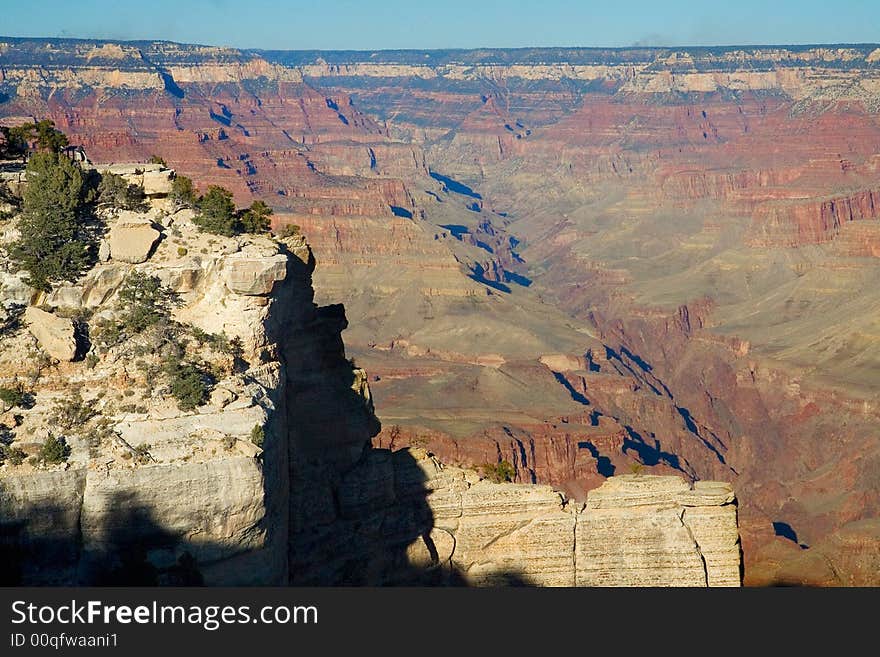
[(65, 296), (255, 276), (55, 334), (131, 240), (157, 183), (13, 290)]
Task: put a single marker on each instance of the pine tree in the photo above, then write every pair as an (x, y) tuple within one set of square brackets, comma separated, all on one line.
[(51, 246), (217, 212), (256, 218)]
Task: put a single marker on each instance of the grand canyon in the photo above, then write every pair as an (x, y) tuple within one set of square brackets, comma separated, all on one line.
[(629, 274)]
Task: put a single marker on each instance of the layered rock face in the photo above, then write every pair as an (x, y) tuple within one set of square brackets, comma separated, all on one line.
[(404, 517), (151, 493)]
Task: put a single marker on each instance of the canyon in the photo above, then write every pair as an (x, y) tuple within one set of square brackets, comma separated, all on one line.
[(579, 261), (271, 479)]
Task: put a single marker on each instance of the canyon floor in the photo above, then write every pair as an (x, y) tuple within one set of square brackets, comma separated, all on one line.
[(580, 261)]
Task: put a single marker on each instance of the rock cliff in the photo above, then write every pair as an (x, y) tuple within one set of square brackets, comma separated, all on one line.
[(271, 478)]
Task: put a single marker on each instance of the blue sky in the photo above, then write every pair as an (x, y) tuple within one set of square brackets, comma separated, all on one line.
[(368, 24)]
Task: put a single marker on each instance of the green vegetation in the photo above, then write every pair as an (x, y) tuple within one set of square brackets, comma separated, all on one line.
[(258, 435), (219, 342), (10, 320), (190, 385), (256, 218), (115, 192), (71, 414), (144, 301), (54, 450), (183, 192), (14, 455), (43, 135), (499, 472), (156, 159), (636, 468), (12, 396), (290, 230), (217, 212), (181, 251), (54, 243), (7, 197)]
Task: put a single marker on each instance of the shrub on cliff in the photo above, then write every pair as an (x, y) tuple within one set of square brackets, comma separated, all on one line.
[(189, 384), (217, 212), (54, 450), (11, 147), (258, 435), (144, 301), (54, 242), (499, 472), (14, 455), (290, 230), (156, 159), (72, 413), (256, 218), (115, 192), (183, 193), (42, 134), (6, 195), (12, 396)]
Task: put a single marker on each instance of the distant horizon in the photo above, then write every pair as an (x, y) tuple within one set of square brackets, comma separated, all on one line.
[(758, 46), (370, 25)]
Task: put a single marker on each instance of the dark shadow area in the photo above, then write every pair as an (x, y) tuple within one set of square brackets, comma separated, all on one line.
[(623, 367), (478, 274), (784, 530), (636, 359), (170, 85), (578, 397), (604, 466), (456, 230), (398, 211), (694, 429), (646, 377), (651, 454), (42, 545), (219, 118), (453, 185), (519, 279)]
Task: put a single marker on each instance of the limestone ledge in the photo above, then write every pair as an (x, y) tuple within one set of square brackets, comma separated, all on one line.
[(634, 530)]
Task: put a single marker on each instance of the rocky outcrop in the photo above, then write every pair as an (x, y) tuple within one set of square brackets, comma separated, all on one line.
[(634, 531), (132, 239), (55, 334), (658, 531), (254, 275)]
